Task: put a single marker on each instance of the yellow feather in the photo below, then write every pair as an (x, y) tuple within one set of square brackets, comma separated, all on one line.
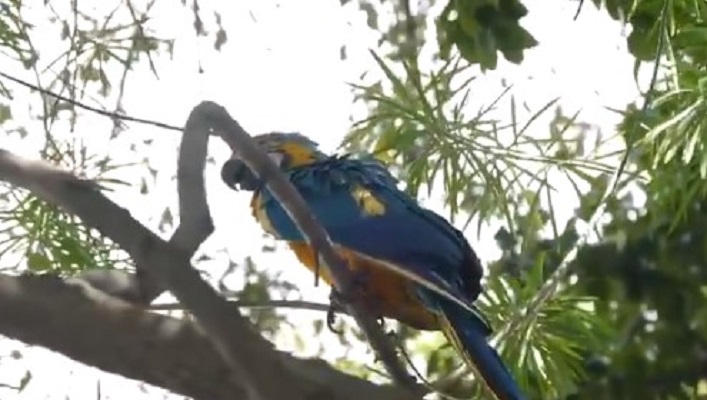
[(298, 154), (369, 204)]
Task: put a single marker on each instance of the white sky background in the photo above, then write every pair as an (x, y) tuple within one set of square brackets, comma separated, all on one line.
[(282, 71)]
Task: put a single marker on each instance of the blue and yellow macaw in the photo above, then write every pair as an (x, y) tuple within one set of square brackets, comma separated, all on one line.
[(411, 264)]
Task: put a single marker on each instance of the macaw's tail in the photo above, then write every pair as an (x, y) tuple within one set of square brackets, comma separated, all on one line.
[(467, 333)]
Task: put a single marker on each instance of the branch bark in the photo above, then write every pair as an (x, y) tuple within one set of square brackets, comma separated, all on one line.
[(228, 329), (87, 325)]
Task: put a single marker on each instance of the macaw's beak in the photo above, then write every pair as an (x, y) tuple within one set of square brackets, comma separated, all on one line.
[(236, 174)]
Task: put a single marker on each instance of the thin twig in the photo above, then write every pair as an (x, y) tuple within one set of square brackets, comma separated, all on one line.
[(90, 108), (295, 304), (429, 385)]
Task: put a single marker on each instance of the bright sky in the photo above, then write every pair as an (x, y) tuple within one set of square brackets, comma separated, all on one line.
[(280, 70)]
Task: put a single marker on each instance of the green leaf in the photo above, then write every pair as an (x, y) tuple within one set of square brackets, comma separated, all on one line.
[(5, 113), (38, 262)]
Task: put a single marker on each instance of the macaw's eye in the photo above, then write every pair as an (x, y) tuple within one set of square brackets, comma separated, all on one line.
[(276, 157)]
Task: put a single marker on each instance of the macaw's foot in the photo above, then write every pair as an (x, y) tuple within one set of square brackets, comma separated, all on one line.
[(358, 291), (335, 306), (339, 301)]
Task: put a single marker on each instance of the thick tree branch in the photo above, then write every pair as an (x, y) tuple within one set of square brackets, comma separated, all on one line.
[(228, 329), (243, 146), (90, 327)]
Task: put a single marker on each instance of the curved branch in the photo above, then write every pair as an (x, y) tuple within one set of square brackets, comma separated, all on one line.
[(195, 222), (90, 327), (245, 148), (195, 225)]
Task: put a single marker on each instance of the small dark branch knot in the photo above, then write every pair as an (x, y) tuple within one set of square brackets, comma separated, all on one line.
[(331, 321)]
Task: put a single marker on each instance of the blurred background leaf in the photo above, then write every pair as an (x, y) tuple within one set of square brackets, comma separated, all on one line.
[(628, 318)]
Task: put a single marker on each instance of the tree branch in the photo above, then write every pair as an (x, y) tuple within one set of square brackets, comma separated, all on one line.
[(91, 327), (244, 147), (222, 322), (195, 220)]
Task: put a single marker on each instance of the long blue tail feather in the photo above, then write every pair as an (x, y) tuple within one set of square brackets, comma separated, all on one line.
[(468, 335)]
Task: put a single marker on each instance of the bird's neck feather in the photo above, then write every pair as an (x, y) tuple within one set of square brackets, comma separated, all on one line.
[(299, 155)]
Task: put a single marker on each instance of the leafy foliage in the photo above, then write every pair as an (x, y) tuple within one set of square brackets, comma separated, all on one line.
[(478, 29), (11, 28), (648, 282), (481, 29), (626, 319), (489, 168), (668, 135), (51, 241)]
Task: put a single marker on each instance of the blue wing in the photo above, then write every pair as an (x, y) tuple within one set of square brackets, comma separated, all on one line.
[(409, 237), (412, 240)]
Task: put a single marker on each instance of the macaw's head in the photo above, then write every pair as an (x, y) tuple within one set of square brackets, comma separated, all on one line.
[(287, 150)]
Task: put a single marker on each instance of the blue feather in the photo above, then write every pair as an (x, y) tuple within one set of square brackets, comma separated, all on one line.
[(471, 340), (405, 235)]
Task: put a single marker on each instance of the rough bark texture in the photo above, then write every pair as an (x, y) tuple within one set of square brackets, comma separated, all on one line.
[(88, 326)]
